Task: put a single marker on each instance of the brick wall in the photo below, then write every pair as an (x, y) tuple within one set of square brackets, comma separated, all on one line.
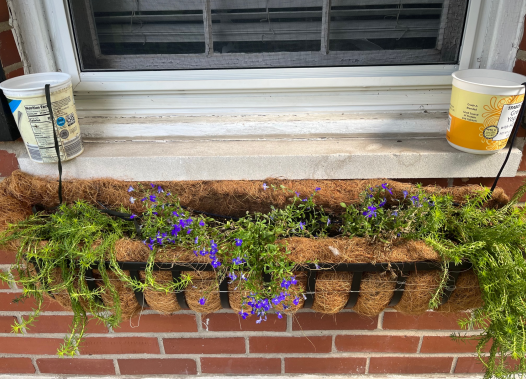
[(222, 343)]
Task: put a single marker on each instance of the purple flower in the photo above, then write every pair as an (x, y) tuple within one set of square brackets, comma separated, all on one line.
[(405, 193), (153, 185), (160, 190), (232, 276), (239, 241), (280, 316), (297, 194), (317, 189), (296, 301), (143, 199), (202, 223), (175, 214), (371, 212), (244, 315), (169, 194), (265, 186), (130, 189), (155, 213), (150, 246), (215, 263), (305, 199), (196, 239), (133, 216), (395, 213), (132, 199), (328, 221), (382, 203), (302, 225), (153, 198), (189, 231), (238, 261), (202, 301), (293, 281)]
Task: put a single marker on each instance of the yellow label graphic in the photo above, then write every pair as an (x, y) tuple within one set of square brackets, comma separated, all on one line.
[(481, 122)]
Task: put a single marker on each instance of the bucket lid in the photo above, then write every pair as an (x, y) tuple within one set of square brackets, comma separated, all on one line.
[(33, 84), (491, 78)]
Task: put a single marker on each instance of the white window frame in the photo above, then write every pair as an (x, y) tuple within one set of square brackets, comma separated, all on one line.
[(486, 43)]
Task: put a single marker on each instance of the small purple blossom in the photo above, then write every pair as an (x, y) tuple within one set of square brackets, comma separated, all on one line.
[(328, 221), (132, 199), (202, 301), (133, 216), (296, 301), (239, 241), (317, 189), (265, 186), (232, 276), (202, 223), (238, 261), (302, 225), (280, 316), (305, 199), (153, 185), (371, 212), (130, 189), (244, 315), (189, 231), (297, 194), (395, 213), (196, 240), (382, 203), (160, 190), (153, 198), (405, 193)]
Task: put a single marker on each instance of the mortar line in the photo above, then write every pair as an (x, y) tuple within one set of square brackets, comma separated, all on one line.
[(199, 322), (282, 365), (333, 344), (34, 362), (289, 323), (116, 367), (367, 364), (161, 345), (198, 365), (247, 346), (453, 365), (381, 321), (420, 344), (450, 182)]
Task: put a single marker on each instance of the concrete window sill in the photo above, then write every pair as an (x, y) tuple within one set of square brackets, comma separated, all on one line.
[(335, 158)]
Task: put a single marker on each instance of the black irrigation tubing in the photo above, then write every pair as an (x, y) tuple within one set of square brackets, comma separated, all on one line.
[(358, 269)]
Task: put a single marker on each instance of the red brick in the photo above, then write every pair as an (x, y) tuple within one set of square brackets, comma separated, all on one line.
[(15, 73), (325, 365), (377, 344), (8, 161), (76, 366), (409, 365), (441, 182), (8, 50), (241, 365), (226, 322), (509, 185), (266, 345), (16, 366), (26, 345), (204, 345), (151, 366), (520, 67), (473, 365), (5, 323), (469, 365), (7, 303), (433, 344), (159, 324), (428, 320), (4, 11), (7, 257), (339, 321), (119, 345), (61, 324)]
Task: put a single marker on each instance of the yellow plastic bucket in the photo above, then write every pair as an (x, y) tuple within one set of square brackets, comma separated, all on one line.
[(483, 110), (27, 101)]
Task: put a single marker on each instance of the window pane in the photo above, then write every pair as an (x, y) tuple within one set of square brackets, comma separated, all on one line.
[(211, 34)]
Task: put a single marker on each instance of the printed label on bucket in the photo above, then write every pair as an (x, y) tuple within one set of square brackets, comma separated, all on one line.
[(480, 121), (34, 122)]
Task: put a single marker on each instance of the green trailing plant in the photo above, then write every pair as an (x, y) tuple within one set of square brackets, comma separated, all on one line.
[(56, 248)]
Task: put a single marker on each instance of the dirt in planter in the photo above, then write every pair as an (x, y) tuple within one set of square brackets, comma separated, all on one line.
[(419, 289), (376, 291), (356, 250), (332, 291), (233, 198), (466, 296), (161, 301)]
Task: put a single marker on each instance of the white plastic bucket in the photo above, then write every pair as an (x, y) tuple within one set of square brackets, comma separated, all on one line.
[(483, 110), (27, 100)]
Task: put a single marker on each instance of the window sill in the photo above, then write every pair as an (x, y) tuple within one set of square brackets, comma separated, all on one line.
[(337, 158)]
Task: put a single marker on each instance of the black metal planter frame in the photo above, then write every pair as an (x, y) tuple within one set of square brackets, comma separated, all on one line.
[(403, 269)]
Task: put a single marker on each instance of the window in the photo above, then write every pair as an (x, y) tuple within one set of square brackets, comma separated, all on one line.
[(233, 34)]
